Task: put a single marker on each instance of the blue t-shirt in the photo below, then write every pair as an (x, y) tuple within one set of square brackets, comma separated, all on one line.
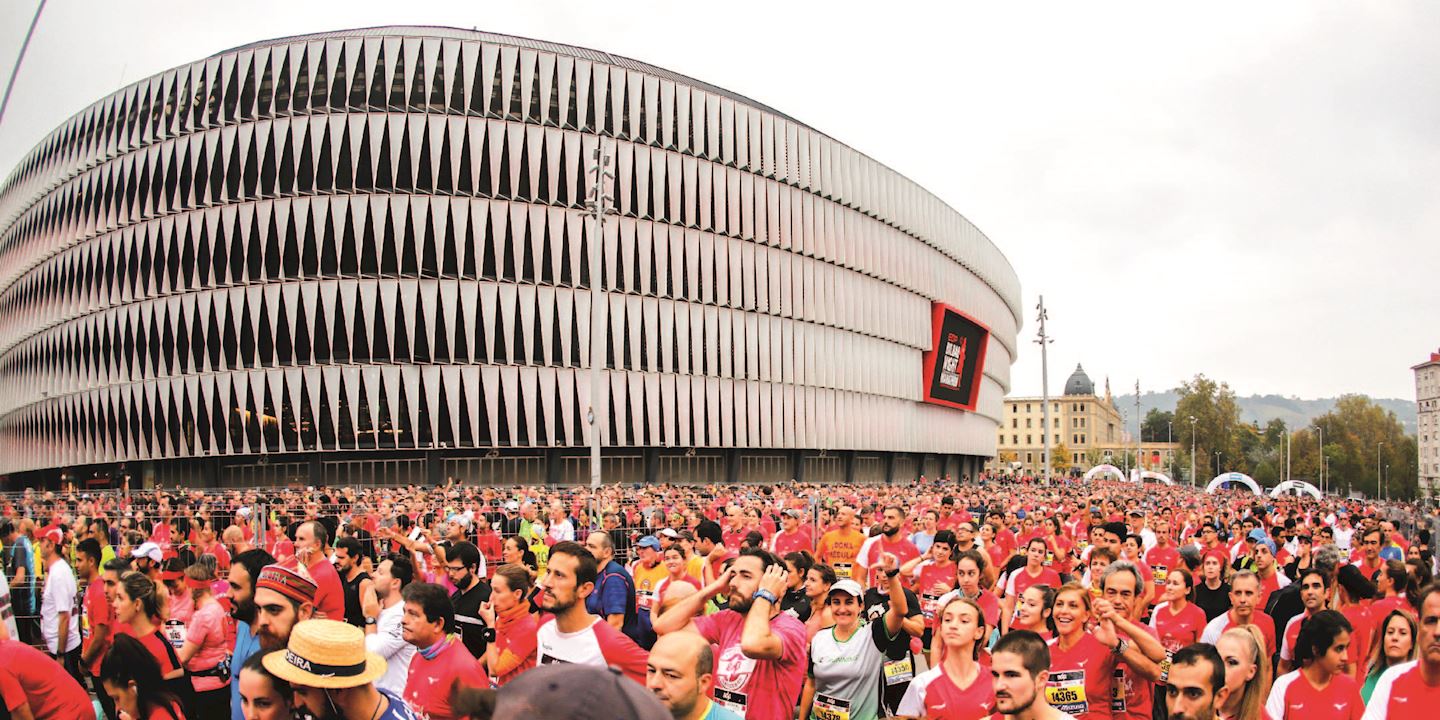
[(398, 710), (17, 555), (246, 644), (615, 595), (717, 712)]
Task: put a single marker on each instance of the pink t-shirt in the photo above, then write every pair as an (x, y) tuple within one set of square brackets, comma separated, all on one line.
[(756, 689), (207, 630)]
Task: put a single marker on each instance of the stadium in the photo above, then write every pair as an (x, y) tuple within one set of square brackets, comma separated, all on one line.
[(365, 257)]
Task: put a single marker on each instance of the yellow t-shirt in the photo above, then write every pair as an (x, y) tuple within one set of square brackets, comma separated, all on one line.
[(646, 580), (838, 549)]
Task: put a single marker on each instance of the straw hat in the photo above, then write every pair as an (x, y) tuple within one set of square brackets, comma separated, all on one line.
[(325, 654)]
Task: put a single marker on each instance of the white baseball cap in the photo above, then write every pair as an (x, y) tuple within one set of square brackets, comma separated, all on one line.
[(150, 550), (848, 586)]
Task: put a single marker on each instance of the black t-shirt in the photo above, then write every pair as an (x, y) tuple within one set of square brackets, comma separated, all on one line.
[(467, 616), (354, 614), (1214, 602), (896, 679), (796, 604)]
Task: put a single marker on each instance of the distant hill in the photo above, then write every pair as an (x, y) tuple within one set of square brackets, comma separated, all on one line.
[(1296, 412)]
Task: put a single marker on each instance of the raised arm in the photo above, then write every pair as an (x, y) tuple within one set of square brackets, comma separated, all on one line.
[(681, 615), (757, 640)]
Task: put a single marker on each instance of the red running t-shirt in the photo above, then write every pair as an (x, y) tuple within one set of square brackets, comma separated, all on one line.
[(1161, 561), (1176, 630), (599, 645), (429, 686), (28, 675), (1082, 679), (1401, 694), (934, 695), (97, 612), (1021, 580), (1292, 697), (756, 689)]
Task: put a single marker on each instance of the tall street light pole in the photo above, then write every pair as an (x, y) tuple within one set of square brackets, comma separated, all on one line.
[(597, 206), (1217, 463), (1193, 480), (1044, 340), (1379, 488), (1139, 430), (1170, 440), (15, 71), (1322, 457)]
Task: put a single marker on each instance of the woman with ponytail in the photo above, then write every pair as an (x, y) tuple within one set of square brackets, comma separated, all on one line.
[(958, 687), (206, 651)]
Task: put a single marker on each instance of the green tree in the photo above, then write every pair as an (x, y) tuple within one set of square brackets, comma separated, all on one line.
[(1217, 425), (1093, 457), (1361, 439), (1156, 427), (1060, 459)]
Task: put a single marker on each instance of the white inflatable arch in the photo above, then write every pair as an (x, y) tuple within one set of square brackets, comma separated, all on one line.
[(1300, 485), (1104, 470), (1162, 477), (1233, 477)]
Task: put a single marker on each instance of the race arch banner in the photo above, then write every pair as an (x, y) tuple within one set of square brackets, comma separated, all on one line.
[(1152, 475), (1234, 477), (1299, 485), (956, 358), (1104, 470)]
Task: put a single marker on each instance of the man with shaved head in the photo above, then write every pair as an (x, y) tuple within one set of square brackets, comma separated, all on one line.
[(681, 672)]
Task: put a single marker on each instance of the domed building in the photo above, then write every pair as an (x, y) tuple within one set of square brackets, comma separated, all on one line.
[(1079, 383), (366, 256), (1086, 429)]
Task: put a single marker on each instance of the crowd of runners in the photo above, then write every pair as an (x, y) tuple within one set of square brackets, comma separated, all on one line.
[(946, 598)]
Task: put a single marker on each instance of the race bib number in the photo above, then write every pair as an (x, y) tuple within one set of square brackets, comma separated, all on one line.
[(552, 660), (733, 700), (175, 633), (842, 570), (1066, 692), (645, 599), (899, 671), (1161, 573), (1117, 692), (928, 605), (830, 708), (1049, 558)]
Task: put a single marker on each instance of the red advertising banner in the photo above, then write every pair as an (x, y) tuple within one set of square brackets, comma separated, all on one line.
[(956, 358)]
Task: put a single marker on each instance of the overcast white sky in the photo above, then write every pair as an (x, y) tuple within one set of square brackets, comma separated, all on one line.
[(1242, 189)]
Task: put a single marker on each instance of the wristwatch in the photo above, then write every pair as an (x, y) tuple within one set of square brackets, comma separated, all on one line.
[(765, 594), (488, 635), (1121, 646), (891, 573), (371, 620)]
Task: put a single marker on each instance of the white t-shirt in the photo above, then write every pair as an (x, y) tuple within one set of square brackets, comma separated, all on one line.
[(1343, 537), (7, 613), (388, 643), (59, 596)]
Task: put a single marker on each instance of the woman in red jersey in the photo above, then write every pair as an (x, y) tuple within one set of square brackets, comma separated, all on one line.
[(514, 649), (959, 687), (132, 679), (1033, 612), (1059, 546), (1320, 689), (137, 606), (972, 577), (1178, 622), (1082, 661), (1247, 673), (1394, 643), (933, 575)]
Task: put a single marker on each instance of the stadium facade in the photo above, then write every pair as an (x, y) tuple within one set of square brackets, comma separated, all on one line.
[(364, 256)]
